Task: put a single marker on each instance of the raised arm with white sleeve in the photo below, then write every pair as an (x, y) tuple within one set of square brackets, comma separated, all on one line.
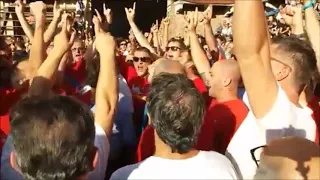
[(251, 46)]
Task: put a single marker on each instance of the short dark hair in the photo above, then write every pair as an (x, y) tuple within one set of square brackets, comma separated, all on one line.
[(180, 41), (143, 49), (303, 59), (53, 138), (176, 110)]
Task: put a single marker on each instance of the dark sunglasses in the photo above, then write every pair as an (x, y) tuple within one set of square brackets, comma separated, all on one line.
[(123, 44), (173, 48), (142, 59), (255, 154)]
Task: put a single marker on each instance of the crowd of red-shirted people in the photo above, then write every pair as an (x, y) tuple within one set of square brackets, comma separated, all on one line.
[(241, 104)]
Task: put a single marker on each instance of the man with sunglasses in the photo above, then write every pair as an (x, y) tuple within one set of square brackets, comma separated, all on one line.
[(174, 49), (123, 46), (141, 60), (274, 76)]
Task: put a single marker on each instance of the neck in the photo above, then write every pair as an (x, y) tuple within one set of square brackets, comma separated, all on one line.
[(292, 94), (164, 151), (228, 94)]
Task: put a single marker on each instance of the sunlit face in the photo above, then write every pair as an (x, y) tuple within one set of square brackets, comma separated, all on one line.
[(129, 48), (78, 50), (123, 46), (173, 51), (141, 61), (270, 19), (214, 82)]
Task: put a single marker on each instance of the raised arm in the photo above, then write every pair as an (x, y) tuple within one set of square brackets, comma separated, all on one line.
[(37, 49), (165, 38), (24, 24), (155, 32), (293, 16), (251, 46), (107, 87), (208, 33), (198, 55), (43, 81), (142, 40), (49, 33), (313, 30)]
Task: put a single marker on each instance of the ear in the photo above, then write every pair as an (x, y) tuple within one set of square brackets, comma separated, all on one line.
[(13, 162), (95, 155), (283, 73), (226, 82)]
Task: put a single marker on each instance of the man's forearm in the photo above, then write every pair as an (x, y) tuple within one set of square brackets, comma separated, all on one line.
[(140, 37), (49, 33), (199, 57), (37, 48), (25, 26), (210, 40)]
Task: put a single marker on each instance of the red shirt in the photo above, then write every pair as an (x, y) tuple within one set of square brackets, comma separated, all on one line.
[(225, 118), (74, 77), (314, 106), (8, 97), (198, 82), (139, 85), (220, 123), (146, 146), (128, 72)]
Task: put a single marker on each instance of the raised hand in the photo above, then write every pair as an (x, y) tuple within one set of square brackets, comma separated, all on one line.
[(166, 21), (66, 37), (38, 8), (192, 19), (19, 7), (107, 13), (66, 17), (56, 10), (154, 27), (292, 14), (130, 13), (103, 40), (207, 14)]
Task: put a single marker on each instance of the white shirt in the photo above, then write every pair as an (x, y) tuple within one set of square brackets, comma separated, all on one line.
[(101, 142), (283, 120), (205, 165)]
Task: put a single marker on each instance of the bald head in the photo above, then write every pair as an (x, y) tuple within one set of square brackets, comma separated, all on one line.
[(290, 158), (169, 66), (227, 68)]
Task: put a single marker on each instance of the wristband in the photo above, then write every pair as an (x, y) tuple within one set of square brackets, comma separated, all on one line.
[(309, 5)]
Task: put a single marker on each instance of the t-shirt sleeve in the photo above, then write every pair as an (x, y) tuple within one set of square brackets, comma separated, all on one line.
[(279, 120), (102, 143)]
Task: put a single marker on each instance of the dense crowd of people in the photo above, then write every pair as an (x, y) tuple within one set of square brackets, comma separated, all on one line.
[(240, 102)]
